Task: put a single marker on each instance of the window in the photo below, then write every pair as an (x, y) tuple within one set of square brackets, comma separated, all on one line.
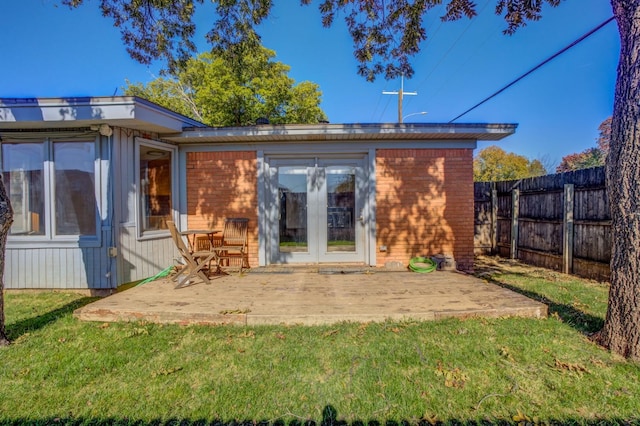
[(52, 189), (75, 200), (156, 170), (23, 176)]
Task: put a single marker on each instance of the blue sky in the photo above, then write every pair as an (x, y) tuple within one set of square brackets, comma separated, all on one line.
[(51, 51)]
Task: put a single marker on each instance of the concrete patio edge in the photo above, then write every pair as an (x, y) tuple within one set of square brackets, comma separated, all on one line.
[(303, 298)]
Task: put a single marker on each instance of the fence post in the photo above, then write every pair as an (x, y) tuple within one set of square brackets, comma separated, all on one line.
[(515, 207), (567, 229), (494, 218)]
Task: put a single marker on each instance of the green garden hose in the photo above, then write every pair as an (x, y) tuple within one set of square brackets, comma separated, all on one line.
[(422, 265), (160, 274)]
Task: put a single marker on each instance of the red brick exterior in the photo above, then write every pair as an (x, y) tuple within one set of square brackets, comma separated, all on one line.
[(424, 201), (223, 184)]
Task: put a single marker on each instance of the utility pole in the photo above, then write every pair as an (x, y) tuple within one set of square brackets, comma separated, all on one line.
[(400, 94)]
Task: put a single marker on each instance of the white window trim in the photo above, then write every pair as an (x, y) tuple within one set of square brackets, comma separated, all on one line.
[(49, 239), (140, 141)]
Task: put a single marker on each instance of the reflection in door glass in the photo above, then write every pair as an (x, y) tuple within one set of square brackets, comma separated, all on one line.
[(292, 192), (341, 202)]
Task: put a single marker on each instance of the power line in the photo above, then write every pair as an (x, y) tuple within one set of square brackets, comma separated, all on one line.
[(549, 59)]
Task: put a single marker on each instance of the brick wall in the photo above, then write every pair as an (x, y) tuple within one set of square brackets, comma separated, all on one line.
[(424, 203), (223, 184)]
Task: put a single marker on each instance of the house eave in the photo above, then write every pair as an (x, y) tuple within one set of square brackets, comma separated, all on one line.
[(344, 132), (118, 111)]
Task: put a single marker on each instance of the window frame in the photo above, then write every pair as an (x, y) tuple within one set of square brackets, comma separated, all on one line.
[(49, 238), (140, 142)]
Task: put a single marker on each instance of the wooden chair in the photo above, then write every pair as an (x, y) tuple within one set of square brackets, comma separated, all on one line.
[(203, 244), (234, 244), (195, 261)]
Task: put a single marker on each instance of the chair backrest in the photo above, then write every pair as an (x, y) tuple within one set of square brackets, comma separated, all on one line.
[(235, 231), (177, 239), (202, 244)]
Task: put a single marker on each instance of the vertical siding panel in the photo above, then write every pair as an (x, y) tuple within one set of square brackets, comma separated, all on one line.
[(21, 260), (80, 277), (26, 279), (86, 265), (40, 263), (71, 271), (93, 268), (57, 258), (20, 273), (32, 258), (75, 266), (9, 269)]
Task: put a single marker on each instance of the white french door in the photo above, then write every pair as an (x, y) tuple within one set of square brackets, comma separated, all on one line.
[(316, 212)]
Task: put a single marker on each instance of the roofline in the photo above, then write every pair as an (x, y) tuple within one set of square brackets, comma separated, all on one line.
[(137, 113), (320, 132), (81, 111)]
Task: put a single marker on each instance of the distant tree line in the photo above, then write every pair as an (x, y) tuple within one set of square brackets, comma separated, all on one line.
[(494, 164), (590, 157)]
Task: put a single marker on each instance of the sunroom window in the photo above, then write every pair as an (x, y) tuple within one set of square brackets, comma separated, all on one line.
[(52, 189), (23, 177), (75, 201), (156, 187)]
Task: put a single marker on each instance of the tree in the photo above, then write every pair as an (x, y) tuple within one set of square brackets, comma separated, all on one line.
[(385, 35), (591, 157), (604, 138), (494, 164), (6, 219), (230, 90), (621, 331)]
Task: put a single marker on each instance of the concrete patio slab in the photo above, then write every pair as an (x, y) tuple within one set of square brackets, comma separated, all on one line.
[(312, 297)]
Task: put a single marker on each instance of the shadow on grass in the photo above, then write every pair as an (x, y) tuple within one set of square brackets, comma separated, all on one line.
[(329, 418), (28, 325), (581, 321)]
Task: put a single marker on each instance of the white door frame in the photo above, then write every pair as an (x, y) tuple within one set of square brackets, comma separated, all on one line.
[(317, 251)]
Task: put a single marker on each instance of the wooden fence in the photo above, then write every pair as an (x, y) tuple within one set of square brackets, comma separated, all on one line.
[(559, 221)]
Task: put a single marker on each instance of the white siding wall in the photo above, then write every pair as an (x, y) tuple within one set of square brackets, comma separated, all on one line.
[(58, 268), (137, 258)]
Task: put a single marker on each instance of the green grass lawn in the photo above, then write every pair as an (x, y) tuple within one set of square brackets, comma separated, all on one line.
[(513, 370)]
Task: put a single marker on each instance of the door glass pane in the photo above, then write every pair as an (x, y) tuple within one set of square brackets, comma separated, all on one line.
[(75, 200), (292, 193), (155, 188), (22, 165), (341, 203)]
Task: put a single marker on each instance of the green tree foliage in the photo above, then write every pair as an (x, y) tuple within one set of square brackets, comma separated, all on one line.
[(235, 90), (494, 164), (591, 157)]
